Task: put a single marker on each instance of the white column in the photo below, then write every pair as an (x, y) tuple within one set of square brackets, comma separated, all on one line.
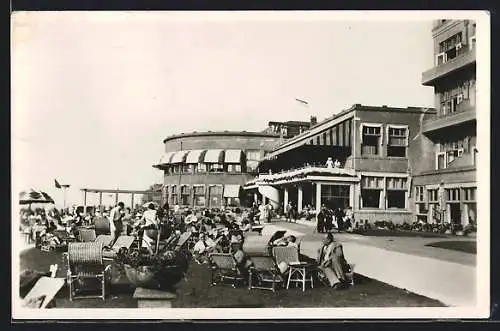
[(351, 196), (318, 196), (285, 198), (299, 198), (255, 198)]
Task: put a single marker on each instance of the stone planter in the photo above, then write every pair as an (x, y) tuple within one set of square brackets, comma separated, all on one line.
[(147, 277)]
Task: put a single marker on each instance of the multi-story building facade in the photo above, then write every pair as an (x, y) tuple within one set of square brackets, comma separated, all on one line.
[(375, 147), (445, 174), (207, 169)]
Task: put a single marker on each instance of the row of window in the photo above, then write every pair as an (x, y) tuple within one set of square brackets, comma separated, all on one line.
[(203, 168), (450, 194), (395, 192), (397, 140), (453, 47), (195, 195), (451, 100)]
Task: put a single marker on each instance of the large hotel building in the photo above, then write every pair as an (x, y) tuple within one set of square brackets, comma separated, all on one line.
[(399, 164), (445, 174)]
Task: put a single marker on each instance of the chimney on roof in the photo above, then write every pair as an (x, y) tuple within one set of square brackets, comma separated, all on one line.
[(314, 120)]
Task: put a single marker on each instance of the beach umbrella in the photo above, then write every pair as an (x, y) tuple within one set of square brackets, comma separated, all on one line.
[(33, 196)]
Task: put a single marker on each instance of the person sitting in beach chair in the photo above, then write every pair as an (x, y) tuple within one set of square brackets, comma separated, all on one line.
[(332, 264), (203, 247)]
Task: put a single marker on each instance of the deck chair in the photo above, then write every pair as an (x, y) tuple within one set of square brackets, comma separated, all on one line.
[(223, 268), (264, 271), (104, 239), (183, 240), (85, 262), (121, 241), (43, 293), (298, 272), (86, 235)]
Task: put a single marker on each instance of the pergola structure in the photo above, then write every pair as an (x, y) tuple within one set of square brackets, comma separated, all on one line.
[(115, 191)]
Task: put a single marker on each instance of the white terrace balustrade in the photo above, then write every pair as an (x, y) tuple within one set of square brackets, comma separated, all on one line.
[(285, 175)]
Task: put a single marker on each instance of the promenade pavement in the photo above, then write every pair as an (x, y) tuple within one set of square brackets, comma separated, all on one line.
[(403, 262)]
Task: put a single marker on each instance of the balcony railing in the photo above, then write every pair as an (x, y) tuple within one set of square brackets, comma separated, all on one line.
[(466, 57), (465, 112), (294, 174)]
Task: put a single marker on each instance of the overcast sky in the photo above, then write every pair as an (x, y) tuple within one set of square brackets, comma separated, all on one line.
[(94, 94)]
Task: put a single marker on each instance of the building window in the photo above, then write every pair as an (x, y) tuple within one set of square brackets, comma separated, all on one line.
[(397, 141), (173, 195), (371, 188), (470, 194), (440, 160), (475, 156), (370, 140), (234, 167), (335, 196), (396, 192), (215, 196), (419, 194), (453, 194), (185, 195), (186, 168), (450, 49), (253, 155), (215, 167), (199, 196), (202, 167)]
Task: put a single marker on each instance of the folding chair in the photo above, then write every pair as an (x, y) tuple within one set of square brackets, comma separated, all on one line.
[(121, 242), (183, 240), (224, 267), (43, 293), (104, 239), (264, 271), (85, 262), (86, 235)]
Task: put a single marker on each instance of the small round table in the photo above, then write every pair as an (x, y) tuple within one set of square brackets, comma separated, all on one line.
[(301, 273)]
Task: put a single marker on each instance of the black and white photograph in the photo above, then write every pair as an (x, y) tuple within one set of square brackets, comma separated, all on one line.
[(250, 165)]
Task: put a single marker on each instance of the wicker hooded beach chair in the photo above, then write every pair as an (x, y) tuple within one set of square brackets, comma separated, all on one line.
[(86, 235), (224, 267), (85, 262)]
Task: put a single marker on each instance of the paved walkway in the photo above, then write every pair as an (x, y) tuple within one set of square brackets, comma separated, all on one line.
[(436, 276)]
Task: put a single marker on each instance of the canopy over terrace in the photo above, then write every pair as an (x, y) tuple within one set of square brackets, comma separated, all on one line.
[(333, 138), (115, 191)]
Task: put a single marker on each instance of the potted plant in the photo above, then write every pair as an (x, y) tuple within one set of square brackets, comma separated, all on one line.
[(158, 269)]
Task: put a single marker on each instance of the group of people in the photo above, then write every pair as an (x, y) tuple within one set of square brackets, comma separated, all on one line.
[(334, 218)]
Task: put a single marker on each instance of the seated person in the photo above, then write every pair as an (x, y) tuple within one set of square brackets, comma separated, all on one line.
[(243, 262), (331, 262), (290, 241), (204, 246), (246, 226)]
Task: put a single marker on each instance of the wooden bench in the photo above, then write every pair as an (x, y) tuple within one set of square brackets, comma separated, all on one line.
[(148, 298)]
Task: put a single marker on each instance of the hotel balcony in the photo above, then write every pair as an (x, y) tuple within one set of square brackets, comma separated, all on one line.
[(468, 57), (301, 174), (465, 113)]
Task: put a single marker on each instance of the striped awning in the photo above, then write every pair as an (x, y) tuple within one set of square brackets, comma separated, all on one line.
[(214, 156), (179, 157), (231, 191), (233, 156), (194, 156), (165, 159)]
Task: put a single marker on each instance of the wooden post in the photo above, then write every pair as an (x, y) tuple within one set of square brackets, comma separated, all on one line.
[(116, 198), (132, 201), (100, 199)]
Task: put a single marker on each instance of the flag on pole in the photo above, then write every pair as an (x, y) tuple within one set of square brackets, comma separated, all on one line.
[(57, 184)]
